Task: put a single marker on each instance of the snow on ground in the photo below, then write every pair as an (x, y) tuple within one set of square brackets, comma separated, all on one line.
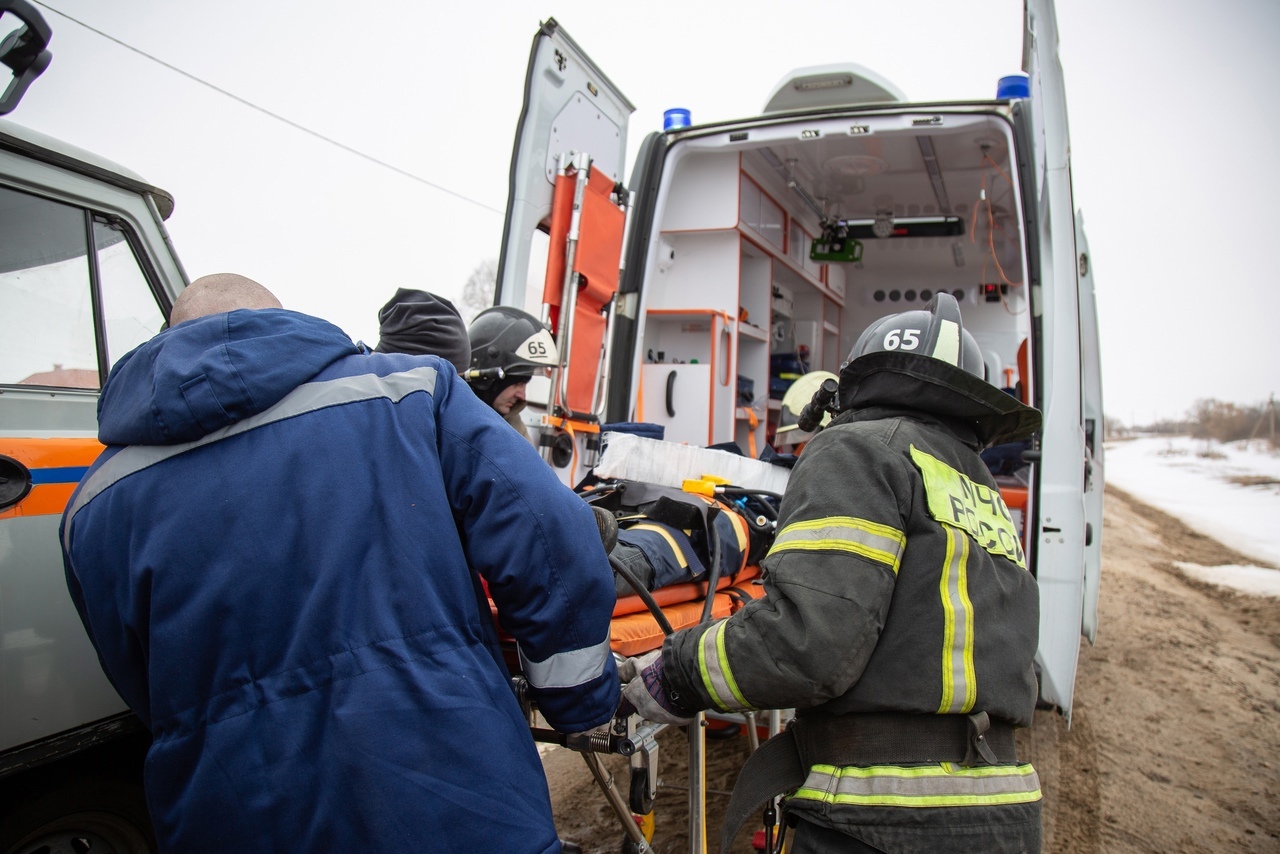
[(1229, 492)]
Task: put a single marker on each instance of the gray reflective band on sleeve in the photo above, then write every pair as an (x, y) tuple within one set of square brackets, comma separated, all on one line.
[(717, 678), (567, 669), (305, 398)]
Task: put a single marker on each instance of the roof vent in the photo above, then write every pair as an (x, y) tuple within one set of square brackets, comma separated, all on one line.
[(831, 86)]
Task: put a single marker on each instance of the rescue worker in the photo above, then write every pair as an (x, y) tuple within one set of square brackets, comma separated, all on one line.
[(423, 324), (899, 618), (789, 438), (509, 347), (279, 560)]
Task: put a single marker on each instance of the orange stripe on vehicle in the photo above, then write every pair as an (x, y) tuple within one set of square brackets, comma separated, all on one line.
[(47, 500), (55, 466), (51, 453)]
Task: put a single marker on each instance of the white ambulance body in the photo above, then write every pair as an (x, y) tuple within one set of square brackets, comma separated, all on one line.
[(758, 248)]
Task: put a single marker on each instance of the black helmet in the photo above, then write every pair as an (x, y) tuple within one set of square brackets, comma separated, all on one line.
[(509, 339), (935, 331)]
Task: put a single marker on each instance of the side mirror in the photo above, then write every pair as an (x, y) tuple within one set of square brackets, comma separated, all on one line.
[(25, 51)]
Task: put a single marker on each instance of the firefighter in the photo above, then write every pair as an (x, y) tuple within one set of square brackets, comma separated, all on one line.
[(899, 619), (789, 438), (509, 347), (279, 560)]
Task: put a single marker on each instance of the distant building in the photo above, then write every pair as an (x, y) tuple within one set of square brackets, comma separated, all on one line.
[(61, 377)]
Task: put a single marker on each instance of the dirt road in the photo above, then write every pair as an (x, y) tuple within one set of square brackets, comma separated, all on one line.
[(1174, 743)]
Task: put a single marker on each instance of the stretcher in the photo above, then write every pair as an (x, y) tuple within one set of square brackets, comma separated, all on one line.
[(634, 631), (642, 620)]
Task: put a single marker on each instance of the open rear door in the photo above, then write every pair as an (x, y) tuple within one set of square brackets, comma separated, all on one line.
[(569, 106), (1062, 529), (1091, 374)]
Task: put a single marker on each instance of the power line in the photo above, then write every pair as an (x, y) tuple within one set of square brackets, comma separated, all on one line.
[(267, 112)]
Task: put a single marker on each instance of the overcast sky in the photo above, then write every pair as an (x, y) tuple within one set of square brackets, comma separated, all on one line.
[(1172, 111)]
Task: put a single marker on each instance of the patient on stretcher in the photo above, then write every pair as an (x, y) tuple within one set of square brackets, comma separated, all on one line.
[(668, 537)]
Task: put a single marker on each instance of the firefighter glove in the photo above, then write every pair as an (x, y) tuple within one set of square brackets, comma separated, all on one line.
[(646, 693)]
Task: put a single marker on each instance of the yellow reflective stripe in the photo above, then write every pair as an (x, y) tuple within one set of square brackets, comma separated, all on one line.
[(740, 531), (959, 680), (941, 785), (954, 499), (666, 535), (717, 676), (863, 537)]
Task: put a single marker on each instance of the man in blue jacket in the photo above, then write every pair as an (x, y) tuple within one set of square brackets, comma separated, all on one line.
[(279, 560)]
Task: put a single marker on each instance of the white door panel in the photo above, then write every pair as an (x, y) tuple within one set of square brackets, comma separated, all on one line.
[(569, 106), (1061, 537)]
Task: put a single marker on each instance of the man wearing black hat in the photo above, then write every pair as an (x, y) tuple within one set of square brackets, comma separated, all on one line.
[(423, 324)]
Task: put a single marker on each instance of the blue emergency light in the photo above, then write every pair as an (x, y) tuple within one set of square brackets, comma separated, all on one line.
[(1013, 86), (676, 118)]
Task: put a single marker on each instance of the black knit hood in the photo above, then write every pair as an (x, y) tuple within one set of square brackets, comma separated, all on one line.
[(421, 323)]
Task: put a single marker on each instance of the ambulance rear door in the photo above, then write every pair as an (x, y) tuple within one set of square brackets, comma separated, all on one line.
[(1059, 523), (569, 106)]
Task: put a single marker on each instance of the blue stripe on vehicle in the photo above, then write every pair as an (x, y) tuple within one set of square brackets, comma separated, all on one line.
[(63, 474)]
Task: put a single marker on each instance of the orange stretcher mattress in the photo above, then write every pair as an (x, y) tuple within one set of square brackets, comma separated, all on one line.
[(634, 631)]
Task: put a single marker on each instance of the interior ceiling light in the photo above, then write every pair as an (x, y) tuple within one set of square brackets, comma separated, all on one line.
[(855, 166), (885, 224)]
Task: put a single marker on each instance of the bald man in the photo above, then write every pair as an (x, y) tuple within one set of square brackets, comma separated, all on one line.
[(278, 558), (220, 292)]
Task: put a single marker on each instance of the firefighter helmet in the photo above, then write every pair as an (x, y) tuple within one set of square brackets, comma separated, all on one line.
[(793, 403), (935, 331), (509, 339)]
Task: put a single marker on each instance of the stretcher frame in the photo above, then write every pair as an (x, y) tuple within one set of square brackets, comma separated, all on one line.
[(636, 738)]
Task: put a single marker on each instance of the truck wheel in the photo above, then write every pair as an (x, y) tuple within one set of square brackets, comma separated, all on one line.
[(93, 817)]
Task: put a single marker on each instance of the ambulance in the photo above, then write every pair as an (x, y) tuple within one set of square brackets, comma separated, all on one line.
[(685, 297), (735, 256)]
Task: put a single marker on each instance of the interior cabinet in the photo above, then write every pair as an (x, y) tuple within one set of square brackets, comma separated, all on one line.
[(739, 288)]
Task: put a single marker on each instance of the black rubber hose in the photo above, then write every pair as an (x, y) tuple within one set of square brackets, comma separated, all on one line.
[(769, 510), (654, 608), (713, 571)]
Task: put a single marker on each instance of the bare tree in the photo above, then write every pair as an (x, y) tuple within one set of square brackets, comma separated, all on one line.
[(477, 293)]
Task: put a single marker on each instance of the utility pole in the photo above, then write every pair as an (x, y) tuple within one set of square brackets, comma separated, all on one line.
[(1270, 415)]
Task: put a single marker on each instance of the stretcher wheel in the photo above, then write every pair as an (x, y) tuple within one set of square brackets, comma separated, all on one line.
[(641, 799)]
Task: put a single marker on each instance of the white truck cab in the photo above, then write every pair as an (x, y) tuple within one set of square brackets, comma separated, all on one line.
[(86, 274), (751, 251)]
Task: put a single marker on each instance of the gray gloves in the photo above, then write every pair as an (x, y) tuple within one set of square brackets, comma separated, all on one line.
[(644, 692)]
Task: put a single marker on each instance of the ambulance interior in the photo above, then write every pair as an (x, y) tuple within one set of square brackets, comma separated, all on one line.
[(777, 244)]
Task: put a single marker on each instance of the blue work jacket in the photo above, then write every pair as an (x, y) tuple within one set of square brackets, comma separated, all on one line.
[(279, 560)]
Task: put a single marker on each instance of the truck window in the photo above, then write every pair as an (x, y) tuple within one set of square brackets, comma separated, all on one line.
[(47, 294), (129, 308)]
